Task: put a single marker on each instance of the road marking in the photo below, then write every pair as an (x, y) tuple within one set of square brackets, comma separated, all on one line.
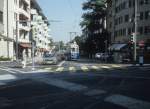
[(49, 69), (7, 77), (63, 84), (105, 67), (60, 64), (12, 70), (84, 68), (95, 67), (95, 92), (116, 66), (59, 69), (8, 70), (128, 102), (72, 69)]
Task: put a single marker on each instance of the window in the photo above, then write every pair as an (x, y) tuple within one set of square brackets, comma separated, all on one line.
[(147, 29), (146, 1), (130, 3), (116, 22), (126, 18), (141, 2), (124, 32), (15, 1), (141, 15), (129, 31), (140, 30), (1, 17), (15, 16), (147, 14)]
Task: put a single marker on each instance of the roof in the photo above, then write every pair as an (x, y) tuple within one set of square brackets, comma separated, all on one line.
[(116, 47)]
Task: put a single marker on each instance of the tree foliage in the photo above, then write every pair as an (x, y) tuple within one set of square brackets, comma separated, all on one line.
[(93, 26)]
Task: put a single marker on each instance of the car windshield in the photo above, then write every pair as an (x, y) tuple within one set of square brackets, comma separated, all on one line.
[(47, 55)]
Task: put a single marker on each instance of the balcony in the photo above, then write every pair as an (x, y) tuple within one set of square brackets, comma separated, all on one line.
[(24, 40), (24, 14), (24, 26), (27, 1)]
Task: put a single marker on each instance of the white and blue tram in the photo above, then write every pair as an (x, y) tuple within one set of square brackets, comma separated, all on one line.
[(73, 52)]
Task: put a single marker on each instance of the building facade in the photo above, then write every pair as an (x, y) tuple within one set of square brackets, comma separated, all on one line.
[(17, 28), (40, 29), (6, 28), (120, 21), (23, 22)]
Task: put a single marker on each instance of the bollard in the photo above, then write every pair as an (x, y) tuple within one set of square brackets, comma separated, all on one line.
[(141, 60)]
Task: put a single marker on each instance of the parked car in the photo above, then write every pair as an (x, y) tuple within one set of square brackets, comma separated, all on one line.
[(49, 59), (98, 55), (104, 56)]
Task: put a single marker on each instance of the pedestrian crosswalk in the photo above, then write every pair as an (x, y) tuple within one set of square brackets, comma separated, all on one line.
[(84, 68), (127, 102), (123, 101)]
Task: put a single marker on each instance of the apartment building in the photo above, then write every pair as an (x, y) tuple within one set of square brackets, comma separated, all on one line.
[(121, 25), (40, 29), (6, 28), (120, 20), (23, 22), (1, 17)]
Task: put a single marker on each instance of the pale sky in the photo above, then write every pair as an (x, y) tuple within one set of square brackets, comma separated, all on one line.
[(69, 12)]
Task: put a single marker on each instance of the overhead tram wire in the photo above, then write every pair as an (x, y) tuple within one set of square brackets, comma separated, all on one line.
[(74, 13)]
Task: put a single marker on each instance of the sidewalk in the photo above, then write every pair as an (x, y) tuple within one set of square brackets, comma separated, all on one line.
[(11, 64), (95, 61)]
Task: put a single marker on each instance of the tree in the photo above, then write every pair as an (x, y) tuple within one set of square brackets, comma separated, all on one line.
[(93, 26)]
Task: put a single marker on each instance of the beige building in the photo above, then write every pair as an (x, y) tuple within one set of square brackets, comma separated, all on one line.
[(120, 20), (121, 26), (6, 28), (40, 26), (15, 28)]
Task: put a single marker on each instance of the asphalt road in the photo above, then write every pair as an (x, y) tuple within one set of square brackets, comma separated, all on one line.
[(119, 88)]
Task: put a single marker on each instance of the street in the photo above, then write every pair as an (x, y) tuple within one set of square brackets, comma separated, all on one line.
[(75, 85)]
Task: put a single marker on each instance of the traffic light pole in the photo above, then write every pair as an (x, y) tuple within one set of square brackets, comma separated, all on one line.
[(135, 34)]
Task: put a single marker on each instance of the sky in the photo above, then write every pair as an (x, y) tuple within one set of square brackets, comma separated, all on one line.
[(68, 12)]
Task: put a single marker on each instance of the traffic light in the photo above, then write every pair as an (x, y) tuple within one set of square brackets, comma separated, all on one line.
[(133, 39)]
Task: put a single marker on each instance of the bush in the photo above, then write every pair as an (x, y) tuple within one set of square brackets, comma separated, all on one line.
[(2, 58)]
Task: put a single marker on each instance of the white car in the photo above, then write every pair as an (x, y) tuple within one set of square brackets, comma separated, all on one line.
[(48, 59), (98, 55)]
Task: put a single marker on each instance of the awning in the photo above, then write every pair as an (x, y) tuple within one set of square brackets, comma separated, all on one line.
[(117, 47), (25, 45)]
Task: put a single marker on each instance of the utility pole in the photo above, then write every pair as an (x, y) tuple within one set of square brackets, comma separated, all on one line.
[(135, 34), (75, 33), (7, 28), (16, 40)]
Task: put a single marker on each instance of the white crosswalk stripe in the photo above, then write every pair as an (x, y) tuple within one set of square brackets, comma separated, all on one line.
[(7, 77), (106, 67), (95, 67), (128, 102), (84, 68), (116, 66), (59, 69), (72, 69)]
